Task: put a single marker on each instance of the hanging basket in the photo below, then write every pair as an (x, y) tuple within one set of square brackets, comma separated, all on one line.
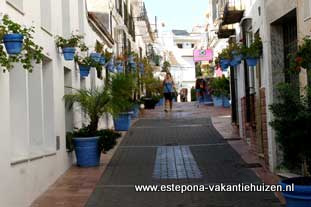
[(13, 43), (95, 56), (225, 61), (251, 62), (102, 60), (234, 63), (84, 70), (69, 53)]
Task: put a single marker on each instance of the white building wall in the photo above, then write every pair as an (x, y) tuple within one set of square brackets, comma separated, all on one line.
[(29, 160)]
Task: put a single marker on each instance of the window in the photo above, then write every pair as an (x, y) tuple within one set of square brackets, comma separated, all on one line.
[(66, 18), (307, 9), (45, 7), (17, 4), (179, 45)]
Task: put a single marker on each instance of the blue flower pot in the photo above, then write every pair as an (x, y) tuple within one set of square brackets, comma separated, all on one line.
[(237, 57), (135, 112), (225, 61), (102, 60), (87, 151), (122, 122), (234, 63), (84, 70), (224, 67), (225, 102), (110, 66), (161, 102), (251, 62), (217, 101), (95, 56), (120, 68), (13, 43), (301, 196), (69, 53)]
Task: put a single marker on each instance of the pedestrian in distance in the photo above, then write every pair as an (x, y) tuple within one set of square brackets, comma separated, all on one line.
[(168, 91), (200, 87)]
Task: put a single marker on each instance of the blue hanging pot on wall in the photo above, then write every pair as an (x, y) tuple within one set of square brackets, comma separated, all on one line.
[(84, 70), (237, 57), (251, 61), (95, 56), (225, 61), (110, 66), (69, 53), (234, 63), (224, 67), (102, 60), (119, 68), (13, 43)]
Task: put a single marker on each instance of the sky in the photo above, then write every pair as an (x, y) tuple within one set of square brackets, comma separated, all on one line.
[(177, 14)]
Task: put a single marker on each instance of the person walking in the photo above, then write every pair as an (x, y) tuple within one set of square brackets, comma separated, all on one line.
[(200, 87), (168, 90)]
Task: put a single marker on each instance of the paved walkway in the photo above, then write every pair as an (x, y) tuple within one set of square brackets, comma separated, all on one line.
[(181, 147)]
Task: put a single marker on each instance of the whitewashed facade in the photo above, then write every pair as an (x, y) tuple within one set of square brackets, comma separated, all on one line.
[(34, 120)]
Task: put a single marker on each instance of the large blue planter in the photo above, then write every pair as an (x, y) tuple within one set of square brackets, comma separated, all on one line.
[(69, 53), (251, 62), (87, 151), (161, 102), (84, 70), (122, 122), (225, 102), (102, 60), (301, 196), (135, 112), (217, 101), (13, 43), (95, 56)]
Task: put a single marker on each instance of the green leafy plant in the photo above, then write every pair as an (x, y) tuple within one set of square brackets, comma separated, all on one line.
[(166, 66), (93, 102), (292, 121), (122, 88), (225, 54), (87, 61), (302, 58), (73, 41), (254, 50), (99, 47), (220, 86), (31, 52)]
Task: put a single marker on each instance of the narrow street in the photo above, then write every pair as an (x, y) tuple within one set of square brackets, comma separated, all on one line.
[(181, 147)]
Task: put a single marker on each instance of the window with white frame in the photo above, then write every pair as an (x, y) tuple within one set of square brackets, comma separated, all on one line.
[(307, 9), (18, 4), (46, 20)]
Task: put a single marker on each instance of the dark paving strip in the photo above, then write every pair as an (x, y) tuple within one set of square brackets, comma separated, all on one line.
[(134, 164)]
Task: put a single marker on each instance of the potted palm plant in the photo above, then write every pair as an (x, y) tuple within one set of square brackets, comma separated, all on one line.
[(69, 45), (292, 119), (88, 142), (122, 88)]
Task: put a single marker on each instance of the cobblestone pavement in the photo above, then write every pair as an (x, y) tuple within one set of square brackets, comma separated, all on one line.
[(181, 147)]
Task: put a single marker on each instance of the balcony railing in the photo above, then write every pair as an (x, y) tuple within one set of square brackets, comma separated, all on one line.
[(225, 31), (232, 11), (144, 17)]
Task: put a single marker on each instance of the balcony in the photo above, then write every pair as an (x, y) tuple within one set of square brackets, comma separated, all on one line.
[(225, 31), (233, 11)]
